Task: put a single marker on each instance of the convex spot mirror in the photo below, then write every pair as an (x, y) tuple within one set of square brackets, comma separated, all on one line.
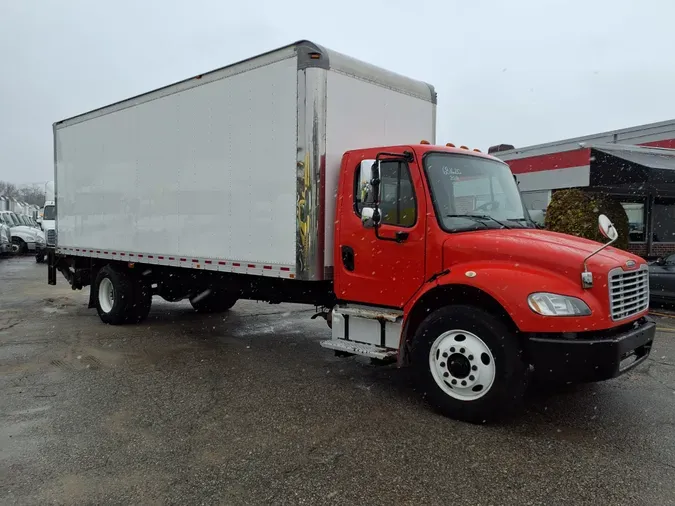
[(607, 228)]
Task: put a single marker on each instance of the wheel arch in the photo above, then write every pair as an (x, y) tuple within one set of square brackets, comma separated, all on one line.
[(447, 295)]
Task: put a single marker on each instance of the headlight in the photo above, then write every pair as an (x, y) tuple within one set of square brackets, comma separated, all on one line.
[(551, 304)]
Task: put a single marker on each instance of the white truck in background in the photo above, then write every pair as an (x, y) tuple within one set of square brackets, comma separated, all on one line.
[(25, 237), (48, 225)]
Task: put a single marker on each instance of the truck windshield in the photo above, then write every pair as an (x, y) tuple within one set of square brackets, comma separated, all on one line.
[(471, 192), (49, 213)]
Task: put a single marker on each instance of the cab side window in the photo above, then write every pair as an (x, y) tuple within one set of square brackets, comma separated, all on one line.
[(397, 196)]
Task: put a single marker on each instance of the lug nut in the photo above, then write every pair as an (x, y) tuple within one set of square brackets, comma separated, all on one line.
[(454, 382), (442, 364), (471, 378), (452, 350), (445, 355), (445, 375), (462, 350), (470, 357), (463, 383), (474, 368)]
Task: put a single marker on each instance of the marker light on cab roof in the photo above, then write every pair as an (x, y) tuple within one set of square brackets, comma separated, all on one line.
[(463, 147), (450, 145), (424, 142)]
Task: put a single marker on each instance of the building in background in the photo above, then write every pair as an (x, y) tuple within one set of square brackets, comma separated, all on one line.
[(635, 165)]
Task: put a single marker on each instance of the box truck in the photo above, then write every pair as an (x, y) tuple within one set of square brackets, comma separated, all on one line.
[(303, 175)]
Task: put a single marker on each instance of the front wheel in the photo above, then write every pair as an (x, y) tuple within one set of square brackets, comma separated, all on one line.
[(469, 365), (18, 246)]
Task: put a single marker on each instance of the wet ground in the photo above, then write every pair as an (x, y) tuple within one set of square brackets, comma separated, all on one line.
[(248, 409)]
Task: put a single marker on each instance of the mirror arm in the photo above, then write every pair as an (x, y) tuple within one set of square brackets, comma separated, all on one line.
[(597, 251)]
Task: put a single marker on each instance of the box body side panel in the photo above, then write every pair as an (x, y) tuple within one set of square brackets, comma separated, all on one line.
[(207, 171)]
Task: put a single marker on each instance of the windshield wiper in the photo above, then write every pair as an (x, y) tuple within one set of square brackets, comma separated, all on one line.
[(526, 220), (478, 217)]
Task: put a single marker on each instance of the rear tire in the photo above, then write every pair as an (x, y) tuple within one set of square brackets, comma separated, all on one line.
[(114, 292), (468, 364), (213, 302)]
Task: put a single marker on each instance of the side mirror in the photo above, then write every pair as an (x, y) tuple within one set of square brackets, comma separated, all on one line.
[(368, 217), (607, 228)]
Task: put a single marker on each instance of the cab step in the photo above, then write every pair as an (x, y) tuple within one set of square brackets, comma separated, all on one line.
[(370, 313), (365, 350)]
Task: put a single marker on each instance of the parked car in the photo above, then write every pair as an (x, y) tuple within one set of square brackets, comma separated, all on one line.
[(662, 280)]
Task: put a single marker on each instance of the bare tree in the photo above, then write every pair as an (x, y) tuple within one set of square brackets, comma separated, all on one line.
[(8, 189), (32, 195)]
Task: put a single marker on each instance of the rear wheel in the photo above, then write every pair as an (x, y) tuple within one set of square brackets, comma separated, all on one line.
[(211, 301), (469, 364), (114, 296)]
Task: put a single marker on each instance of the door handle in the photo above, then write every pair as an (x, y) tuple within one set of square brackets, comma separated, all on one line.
[(402, 236), (347, 257)]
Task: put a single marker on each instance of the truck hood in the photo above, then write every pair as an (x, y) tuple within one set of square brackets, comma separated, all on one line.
[(23, 230), (549, 250)]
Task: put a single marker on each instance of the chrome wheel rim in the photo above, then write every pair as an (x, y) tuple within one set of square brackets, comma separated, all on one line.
[(106, 295), (462, 365)]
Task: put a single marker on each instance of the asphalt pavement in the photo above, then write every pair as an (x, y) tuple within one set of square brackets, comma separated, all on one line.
[(247, 408)]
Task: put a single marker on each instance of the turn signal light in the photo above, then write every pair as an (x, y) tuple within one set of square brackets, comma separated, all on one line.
[(424, 142)]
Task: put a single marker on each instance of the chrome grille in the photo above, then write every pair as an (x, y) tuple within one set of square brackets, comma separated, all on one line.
[(51, 237), (628, 292)]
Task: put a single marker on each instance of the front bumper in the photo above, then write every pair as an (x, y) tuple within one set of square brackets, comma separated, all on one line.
[(591, 356)]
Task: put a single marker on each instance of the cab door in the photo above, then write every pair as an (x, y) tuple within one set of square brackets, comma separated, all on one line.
[(384, 271)]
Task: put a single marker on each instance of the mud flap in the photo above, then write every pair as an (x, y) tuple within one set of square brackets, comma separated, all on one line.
[(92, 297), (51, 268)]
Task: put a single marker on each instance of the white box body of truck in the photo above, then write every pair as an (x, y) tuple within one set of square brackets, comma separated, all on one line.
[(235, 170)]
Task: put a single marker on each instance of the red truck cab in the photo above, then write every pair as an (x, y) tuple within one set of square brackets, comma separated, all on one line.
[(438, 266)]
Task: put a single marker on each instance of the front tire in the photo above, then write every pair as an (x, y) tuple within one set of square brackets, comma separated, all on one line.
[(19, 246), (114, 296), (469, 365)]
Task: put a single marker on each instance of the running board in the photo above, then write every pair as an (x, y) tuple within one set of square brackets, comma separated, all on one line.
[(390, 315), (365, 350)]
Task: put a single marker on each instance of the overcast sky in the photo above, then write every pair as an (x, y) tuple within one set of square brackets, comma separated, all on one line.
[(517, 71)]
